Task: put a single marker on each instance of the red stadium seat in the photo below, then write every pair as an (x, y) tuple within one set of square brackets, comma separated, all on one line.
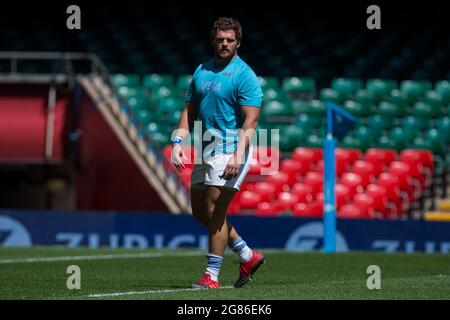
[(266, 209), (391, 183), (265, 190), (381, 203), (302, 191), (341, 195), (343, 162), (419, 170), (280, 181), (293, 169), (315, 181), (308, 210), (353, 182), (365, 170), (427, 159), (354, 155), (234, 207), (247, 185), (265, 160), (255, 168), (319, 167), (380, 158), (285, 201), (341, 166), (319, 197), (402, 171), (350, 211), (307, 156), (249, 200), (365, 203), (304, 156)]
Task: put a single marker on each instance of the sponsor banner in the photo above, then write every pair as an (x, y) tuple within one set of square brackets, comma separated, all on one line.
[(162, 230)]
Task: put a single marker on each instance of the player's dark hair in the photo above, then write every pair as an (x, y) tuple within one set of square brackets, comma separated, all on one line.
[(224, 23)]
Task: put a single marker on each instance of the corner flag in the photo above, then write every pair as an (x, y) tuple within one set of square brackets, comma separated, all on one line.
[(339, 122)]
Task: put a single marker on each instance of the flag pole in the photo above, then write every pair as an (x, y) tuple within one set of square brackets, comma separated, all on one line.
[(329, 216)]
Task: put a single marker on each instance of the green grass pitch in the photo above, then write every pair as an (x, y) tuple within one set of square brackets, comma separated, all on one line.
[(41, 273)]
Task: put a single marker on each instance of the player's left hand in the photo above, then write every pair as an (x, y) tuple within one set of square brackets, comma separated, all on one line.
[(232, 168)]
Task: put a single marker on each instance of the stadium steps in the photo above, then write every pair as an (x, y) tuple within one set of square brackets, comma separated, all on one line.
[(157, 172)]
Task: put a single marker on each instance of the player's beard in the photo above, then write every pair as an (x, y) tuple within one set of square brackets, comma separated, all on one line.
[(225, 59)]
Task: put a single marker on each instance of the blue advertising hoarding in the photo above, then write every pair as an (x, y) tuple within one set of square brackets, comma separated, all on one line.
[(162, 230)]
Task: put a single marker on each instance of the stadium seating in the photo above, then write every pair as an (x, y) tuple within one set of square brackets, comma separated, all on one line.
[(390, 155)]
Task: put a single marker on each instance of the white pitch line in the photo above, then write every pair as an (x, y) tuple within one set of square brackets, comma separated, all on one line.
[(120, 256), (102, 257), (116, 294)]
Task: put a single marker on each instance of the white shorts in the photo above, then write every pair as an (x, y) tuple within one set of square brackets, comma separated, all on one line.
[(210, 170)]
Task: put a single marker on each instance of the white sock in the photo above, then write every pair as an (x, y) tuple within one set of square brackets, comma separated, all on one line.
[(245, 254), (214, 273), (214, 264)]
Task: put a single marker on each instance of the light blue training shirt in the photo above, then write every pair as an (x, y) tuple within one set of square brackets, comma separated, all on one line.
[(218, 93)]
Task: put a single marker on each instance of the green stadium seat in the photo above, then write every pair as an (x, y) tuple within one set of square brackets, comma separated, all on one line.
[(272, 110), (300, 107), (380, 123), (403, 136), (386, 142), (128, 80), (415, 89), (346, 87), (398, 98), (380, 88), (164, 92), (317, 108), (169, 105), (130, 92), (434, 98), (298, 88), (357, 109), (309, 122), (390, 110), (365, 134), (438, 141), (352, 142), (146, 116), (365, 98), (433, 141), (269, 82), (153, 127), (137, 103), (415, 123), (330, 95), (168, 111), (173, 118), (443, 87), (271, 94), (160, 138), (269, 138), (154, 80), (422, 109), (421, 143), (443, 125), (314, 141), (183, 82), (291, 137)]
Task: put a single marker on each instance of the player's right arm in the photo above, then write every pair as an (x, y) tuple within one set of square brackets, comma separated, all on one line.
[(185, 126)]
